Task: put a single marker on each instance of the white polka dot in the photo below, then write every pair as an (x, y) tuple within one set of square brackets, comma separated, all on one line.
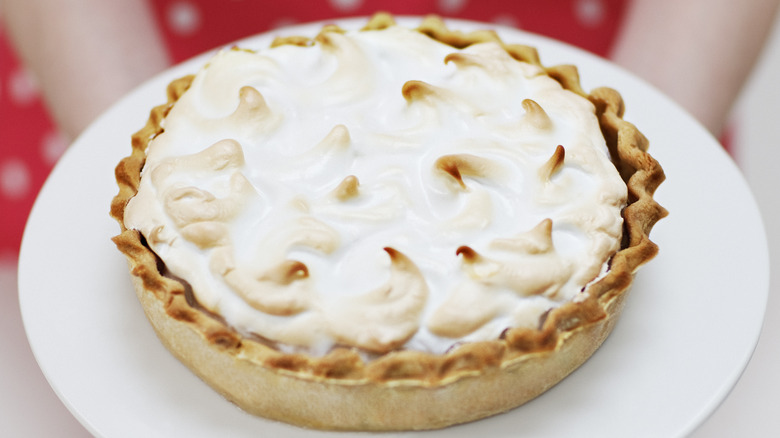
[(590, 13), (506, 20), (283, 22), (14, 179), (452, 6), (345, 5), (53, 144), (184, 18), (23, 89)]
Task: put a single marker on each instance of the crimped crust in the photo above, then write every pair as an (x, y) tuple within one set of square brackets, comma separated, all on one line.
[(402, 389)]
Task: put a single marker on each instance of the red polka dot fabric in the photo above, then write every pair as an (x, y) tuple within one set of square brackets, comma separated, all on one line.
[(30, 144), (193, 26)]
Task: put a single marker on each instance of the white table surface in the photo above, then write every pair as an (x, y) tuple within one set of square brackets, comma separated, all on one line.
[(29, 407)]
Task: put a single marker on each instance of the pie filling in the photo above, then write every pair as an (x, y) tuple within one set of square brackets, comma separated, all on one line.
[(381, 190)]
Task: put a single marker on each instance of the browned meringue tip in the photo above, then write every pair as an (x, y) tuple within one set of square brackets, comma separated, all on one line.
[(468, 253), (450, 165), (434, 27), (417, 90), (538, 240), (287, 272), (403, 263), (553, 165), (251, 103), (338, 138), (294, 40), (380, 20), (458, 165), (397, 257), (535, 115), (462, 60), (325, 37), (348, 188)]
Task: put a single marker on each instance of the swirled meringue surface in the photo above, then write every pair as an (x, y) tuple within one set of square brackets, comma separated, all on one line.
[(380, 190)]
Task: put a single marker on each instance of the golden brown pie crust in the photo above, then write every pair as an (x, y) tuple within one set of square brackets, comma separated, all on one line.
[(402, 389)]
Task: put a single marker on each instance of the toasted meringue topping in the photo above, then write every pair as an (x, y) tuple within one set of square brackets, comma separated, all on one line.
[(381, 190)]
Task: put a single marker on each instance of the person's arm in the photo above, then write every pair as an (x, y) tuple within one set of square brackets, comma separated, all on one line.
[(699, 52), (85, 54)]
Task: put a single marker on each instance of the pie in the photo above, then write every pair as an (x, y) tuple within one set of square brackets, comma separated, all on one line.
[(385, 228)]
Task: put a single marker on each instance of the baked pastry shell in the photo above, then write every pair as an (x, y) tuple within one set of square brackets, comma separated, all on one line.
[(401, 390)]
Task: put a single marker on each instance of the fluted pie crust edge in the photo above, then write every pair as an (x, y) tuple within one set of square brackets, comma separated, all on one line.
[(400, 390)]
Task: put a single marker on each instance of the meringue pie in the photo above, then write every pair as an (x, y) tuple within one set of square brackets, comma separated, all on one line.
[(385, 228)]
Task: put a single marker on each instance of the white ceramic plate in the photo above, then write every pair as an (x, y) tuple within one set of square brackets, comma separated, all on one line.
[(688, 331)]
